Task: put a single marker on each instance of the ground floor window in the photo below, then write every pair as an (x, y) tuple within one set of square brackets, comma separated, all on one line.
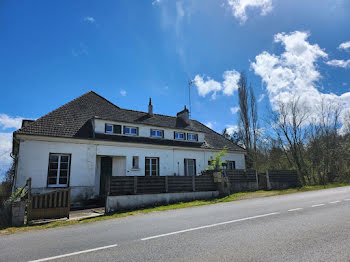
[(190, 167), (231, 165), (135, 162), (151, 166), (58, 174)]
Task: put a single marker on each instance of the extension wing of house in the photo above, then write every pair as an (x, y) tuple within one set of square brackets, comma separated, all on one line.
[(82, 142)]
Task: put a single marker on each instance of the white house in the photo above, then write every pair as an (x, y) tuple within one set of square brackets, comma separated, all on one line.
[(89, 138)]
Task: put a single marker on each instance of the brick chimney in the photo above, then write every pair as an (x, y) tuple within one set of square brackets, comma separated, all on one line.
[(184, 115), (150, 107)]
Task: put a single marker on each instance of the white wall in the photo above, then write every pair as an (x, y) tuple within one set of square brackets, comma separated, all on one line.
[(34, 158), (144, 130), (85, 161)]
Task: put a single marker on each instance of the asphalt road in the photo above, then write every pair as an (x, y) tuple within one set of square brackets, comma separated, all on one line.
[(310, 226)]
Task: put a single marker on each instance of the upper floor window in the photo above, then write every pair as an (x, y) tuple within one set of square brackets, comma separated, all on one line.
[(129, 130), (135, 162), (108, 128), (179, 135), (113, 129), (58, 174), (192, 137), (156, 133)]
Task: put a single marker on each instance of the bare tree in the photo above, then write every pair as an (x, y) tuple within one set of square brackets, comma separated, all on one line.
[(289, 125)]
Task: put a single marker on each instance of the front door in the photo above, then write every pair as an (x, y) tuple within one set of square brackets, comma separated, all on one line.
[(106, 171)]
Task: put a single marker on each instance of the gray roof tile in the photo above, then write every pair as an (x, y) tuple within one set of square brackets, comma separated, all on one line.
[(72, 120)]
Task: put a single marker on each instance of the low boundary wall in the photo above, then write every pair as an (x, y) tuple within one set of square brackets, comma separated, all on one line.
[(114, 203)]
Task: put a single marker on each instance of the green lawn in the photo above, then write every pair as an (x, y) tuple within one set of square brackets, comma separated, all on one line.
[(230, 198)]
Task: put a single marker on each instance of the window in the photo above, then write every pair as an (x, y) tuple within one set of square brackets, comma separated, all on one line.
[(179, 135), (108, 128), (113, 129), (58, 173), (190, 167), (151, 166), (135, 162), (157, 133), (117, 129), (129, 130), (231, 165), (192, 137)]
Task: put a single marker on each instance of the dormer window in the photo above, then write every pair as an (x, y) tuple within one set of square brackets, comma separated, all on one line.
[(129, 130), (192, 137), (108, 128), (157, 133), (113, 129), (179, 135)]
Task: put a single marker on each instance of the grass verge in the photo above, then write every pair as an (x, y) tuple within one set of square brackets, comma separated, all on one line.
[(230, 198)]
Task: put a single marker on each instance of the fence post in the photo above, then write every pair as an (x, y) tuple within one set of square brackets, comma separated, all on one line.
[(166, 184), (268, 184), (194, 183), (68, 203), (29, 201), (257, 179), (135, 185)]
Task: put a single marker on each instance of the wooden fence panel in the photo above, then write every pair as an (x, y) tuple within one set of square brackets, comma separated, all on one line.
[(54, 204)]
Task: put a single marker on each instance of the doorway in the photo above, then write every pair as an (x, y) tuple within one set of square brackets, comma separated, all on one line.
[(106, 171)]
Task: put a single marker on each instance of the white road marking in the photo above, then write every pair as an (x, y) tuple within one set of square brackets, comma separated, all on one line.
[(208, 226), (318, 205), (74, 253), (295, 209), (334, 202)]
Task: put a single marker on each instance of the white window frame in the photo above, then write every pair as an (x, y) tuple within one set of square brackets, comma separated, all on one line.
[(194, 136), (58, 170), (136, 160), (187, 161), (111, 126), (150, 165), (177, 133), (231, 162), (130, 128), (156, 133)]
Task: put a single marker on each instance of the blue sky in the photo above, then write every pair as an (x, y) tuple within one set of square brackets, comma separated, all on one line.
[(127, 51)]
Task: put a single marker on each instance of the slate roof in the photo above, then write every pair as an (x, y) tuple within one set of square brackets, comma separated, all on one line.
[(72, 120)]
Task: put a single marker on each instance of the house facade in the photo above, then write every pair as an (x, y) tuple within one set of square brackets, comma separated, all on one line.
[(88, 139)]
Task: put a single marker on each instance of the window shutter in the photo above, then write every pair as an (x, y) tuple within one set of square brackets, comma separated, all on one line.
[(196, 137), (185, 167), (174, 134), (195, 167), (105, 128), (158, 167), (162, 133), (124, 130), (150, 133), (137, 131), (185, 136)]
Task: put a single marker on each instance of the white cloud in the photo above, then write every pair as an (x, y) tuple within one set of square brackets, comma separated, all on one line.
[(294, 73), (239, 8), (156, 2), (339, 63), (89, 19), (208, 85), (345, 45), (231, 79), (123, 92), (5, 150), (261, 98), (235, 110), (10, 122), (210, 124), (231, 129)]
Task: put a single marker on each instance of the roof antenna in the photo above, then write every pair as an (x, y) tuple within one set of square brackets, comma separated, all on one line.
[(190, 83)]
